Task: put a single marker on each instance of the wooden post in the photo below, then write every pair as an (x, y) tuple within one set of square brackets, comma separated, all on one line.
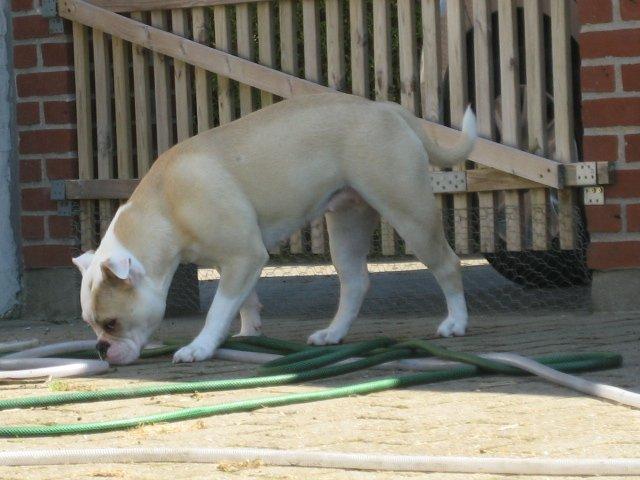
[(312, 71), (104, 121), (84, 118), (536, 115), (483, 63), (142, 103), (563, 113), (164, 116), (244, 33), (336, 74), (359, 48), (204, 109), (409, 95), (457, 52), (382, 67), (222, 39), (266, 47), (510, 109)]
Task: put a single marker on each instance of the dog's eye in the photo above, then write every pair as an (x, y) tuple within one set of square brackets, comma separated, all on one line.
[(110, 325)]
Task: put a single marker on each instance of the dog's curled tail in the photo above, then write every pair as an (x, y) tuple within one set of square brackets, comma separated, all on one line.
[(450, 157)]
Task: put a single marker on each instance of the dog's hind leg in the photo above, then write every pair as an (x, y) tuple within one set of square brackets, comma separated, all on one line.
[(420, 225), (250, 323), (350, 230)]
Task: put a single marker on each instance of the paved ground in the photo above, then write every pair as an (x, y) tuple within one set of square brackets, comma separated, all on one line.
[(491, 416)]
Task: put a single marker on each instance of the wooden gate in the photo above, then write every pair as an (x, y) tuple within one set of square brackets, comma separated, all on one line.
[(149, 78)]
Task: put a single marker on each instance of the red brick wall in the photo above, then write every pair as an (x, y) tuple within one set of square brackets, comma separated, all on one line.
[(46, 129), (610, 51)]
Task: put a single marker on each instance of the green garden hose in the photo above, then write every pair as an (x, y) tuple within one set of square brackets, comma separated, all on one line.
[(306, 363)]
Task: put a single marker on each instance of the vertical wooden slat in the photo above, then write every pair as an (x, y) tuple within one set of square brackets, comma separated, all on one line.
[(430, 92), (244, 33), (164, 116), (312, 71), (311, 31), (122, 96), (335, 45), (289, 64), (142, 103), (483, 66), (204, 111), (510, 111), (222, 39), (382, 68), (266, 47), (359, 48), (84, 118), (409, 96), (457, 103), (104, 121), (182, 81), (563, 112), (536, 96)]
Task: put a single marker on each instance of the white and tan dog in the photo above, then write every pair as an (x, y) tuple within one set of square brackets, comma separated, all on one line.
[(224, 197)]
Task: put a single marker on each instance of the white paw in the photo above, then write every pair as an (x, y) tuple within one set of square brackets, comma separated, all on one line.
[(194, 352), (452, 326), (249, 332), (325, 337)]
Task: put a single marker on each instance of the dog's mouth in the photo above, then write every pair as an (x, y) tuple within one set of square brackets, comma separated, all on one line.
[(122, 352)]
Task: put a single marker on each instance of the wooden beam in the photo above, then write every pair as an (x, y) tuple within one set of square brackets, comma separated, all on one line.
[(188, 51), (485, 180), (144, 5), (490, 154)]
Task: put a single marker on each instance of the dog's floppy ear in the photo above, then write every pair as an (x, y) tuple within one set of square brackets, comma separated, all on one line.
[(83, 261), (122, 267)]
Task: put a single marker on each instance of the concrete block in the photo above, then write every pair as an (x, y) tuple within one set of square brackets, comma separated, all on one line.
[(51, 294)]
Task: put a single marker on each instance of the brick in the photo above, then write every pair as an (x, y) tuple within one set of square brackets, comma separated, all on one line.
[(611, 112), (603, 218), (25, 56), (626, 185), (21, 5), (28, 113), (31, 26), (37, 200), (630, 9), (633, 218), (45, 83), (60, 112), (40, 256), (57, 54), (631, 77), (32, 228), (613, 255), (594, 11), (598, 79), (600, 148), (632, 148), (62, 168), (61, 227), (610, 43), (30, 170), (47, 141)]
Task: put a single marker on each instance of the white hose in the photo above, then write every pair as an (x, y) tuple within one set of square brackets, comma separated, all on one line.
[(18, 345), (601, 390), (32, 368), (29, 364), (300, 458)]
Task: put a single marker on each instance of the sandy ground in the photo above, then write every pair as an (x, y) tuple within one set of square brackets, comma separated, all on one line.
[(490, 416)]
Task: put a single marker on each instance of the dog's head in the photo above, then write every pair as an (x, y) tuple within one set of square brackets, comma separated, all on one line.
[(120, 302)]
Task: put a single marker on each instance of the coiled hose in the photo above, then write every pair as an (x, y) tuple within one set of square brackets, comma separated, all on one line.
[(306, 364)]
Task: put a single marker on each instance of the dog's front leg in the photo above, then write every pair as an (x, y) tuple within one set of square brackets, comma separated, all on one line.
[(237, 281)]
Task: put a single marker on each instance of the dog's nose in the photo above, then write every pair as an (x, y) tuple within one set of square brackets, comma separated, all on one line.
[(102, 348)]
